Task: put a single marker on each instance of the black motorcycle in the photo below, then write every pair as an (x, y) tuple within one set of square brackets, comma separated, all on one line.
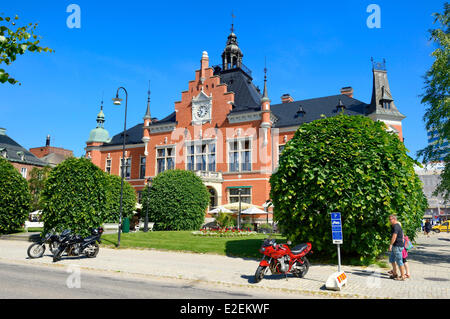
[(75, 245), (37, 249)]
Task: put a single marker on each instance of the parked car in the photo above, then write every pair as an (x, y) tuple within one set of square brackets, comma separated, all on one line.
[(444, 227)]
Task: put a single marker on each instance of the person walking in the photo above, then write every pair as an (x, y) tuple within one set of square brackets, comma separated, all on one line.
[(427, 228), (396, 247)]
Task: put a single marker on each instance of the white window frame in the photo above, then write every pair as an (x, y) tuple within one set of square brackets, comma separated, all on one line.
[(242, 195), (108, 166), (23, 171), (165, 157), (140, 167), (129, 165), (207, 154), (241, 151)]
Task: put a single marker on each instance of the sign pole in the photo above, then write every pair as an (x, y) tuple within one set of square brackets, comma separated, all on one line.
[(339, 257), (338, 279)]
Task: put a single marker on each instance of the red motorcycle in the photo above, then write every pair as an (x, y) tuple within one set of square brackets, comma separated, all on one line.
[(283, 260)]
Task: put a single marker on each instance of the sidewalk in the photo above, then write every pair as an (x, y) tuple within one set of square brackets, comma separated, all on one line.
[(429, 264)]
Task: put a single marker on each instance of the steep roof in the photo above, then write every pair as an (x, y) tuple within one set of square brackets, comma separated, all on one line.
[(288, 113), (134, 136), (14, 150), (246, 95)]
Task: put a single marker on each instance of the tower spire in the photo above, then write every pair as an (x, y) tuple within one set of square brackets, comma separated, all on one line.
[(232, 21), (265, 97), (147, 113)]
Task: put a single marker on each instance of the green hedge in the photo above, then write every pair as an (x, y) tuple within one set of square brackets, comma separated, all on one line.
[(177, 201), (15, 198), (352, 165), (74, 197)]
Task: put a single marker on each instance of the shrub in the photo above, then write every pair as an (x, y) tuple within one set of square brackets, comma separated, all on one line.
[(248, 226), (177, 201), (15, 198), (74, 197), (113, 199), (225, 220), (352, 165)]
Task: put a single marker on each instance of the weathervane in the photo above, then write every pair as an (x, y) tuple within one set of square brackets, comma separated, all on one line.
[(232, 21)]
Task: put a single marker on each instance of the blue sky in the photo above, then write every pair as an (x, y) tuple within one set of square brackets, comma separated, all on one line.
[(313, 48)]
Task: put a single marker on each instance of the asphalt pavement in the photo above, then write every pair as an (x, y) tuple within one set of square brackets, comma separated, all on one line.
[(35, 282)]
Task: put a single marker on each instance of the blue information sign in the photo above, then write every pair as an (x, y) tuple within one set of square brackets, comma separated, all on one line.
[(336, 227)]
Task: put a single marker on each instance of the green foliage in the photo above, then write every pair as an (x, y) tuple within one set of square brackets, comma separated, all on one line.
[(352, 165), (248, 226), (113, 201), (15, 198), (225, 220), (74, 197), (437, 97), (177, 201), (36, 185), (16, 41)]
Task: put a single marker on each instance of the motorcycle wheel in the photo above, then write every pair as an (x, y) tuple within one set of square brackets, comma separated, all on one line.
[(303, 269), (36, 250), (53, 245), (260, 272), (95, 253)]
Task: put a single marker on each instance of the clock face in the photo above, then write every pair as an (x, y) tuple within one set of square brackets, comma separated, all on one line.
[(202, 111)]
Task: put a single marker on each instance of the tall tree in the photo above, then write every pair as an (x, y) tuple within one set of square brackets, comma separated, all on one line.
[(437, 98), (14, 41)]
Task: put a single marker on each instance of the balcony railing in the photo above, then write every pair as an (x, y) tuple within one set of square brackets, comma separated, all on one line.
[(209, 176), (218, 68)]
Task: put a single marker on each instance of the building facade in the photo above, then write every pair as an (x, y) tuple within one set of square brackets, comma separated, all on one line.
[(23, 160), (227, 131), (50, 154)]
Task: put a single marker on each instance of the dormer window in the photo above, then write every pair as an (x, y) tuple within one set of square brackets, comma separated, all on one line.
[(387, 105), (21, 155), (301, 112), (3, 153)]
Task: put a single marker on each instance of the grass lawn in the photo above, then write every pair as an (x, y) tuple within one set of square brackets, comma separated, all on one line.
[(185, 241), (247, 247)]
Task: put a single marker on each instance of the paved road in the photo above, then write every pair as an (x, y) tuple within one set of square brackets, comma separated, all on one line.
[(429, 262), (20, 281)]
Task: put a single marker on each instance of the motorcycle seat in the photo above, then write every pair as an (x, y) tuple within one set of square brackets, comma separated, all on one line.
[(299, 248)]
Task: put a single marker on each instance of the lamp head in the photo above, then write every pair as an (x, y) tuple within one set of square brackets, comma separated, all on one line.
[(117, 100)]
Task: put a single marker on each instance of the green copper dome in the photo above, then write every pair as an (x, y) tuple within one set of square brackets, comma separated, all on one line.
[(99, 134)]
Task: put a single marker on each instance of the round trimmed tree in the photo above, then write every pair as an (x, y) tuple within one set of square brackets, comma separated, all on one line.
[(177, 201), (352, 165), (15, 198), (74, 197), (113, 202)]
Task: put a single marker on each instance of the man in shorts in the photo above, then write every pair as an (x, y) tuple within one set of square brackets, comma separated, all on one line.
[(396, 248)]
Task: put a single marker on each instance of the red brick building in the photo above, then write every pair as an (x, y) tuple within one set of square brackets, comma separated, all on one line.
[(226, 131), (50, 154)]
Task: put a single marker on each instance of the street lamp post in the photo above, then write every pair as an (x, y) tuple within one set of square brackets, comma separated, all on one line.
[(239, 215), (117, 101), (149, 185)]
